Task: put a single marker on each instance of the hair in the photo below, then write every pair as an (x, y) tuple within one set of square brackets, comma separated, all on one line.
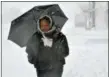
[(45, 18)]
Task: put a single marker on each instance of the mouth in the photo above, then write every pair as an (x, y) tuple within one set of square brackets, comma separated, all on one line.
[(45, 29)]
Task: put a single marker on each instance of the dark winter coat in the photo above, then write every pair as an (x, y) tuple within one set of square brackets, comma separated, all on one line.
[(45, 57)]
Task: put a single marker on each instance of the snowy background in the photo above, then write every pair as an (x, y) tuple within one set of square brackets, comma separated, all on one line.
[(88, 43)]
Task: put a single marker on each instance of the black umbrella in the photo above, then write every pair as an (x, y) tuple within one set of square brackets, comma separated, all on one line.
[(23, 27)]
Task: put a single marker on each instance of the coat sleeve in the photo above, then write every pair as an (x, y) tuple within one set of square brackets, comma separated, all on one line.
[(65, 47), (32, 49), (30, 56)]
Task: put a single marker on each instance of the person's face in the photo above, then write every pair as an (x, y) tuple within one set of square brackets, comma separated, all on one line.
[(44, 25)]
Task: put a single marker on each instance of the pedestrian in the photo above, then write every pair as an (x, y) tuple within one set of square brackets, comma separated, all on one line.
[(49, 52)]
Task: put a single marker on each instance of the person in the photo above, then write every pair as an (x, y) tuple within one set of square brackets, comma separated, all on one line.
[(47, 49)]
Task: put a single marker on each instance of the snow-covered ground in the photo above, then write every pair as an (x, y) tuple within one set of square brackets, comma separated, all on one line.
[(88, 48), (88, 55)]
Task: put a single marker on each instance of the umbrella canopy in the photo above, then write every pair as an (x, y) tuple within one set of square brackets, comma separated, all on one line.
[(23, 27)]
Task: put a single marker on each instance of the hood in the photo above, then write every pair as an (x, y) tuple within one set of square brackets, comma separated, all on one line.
[(53, 27)]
